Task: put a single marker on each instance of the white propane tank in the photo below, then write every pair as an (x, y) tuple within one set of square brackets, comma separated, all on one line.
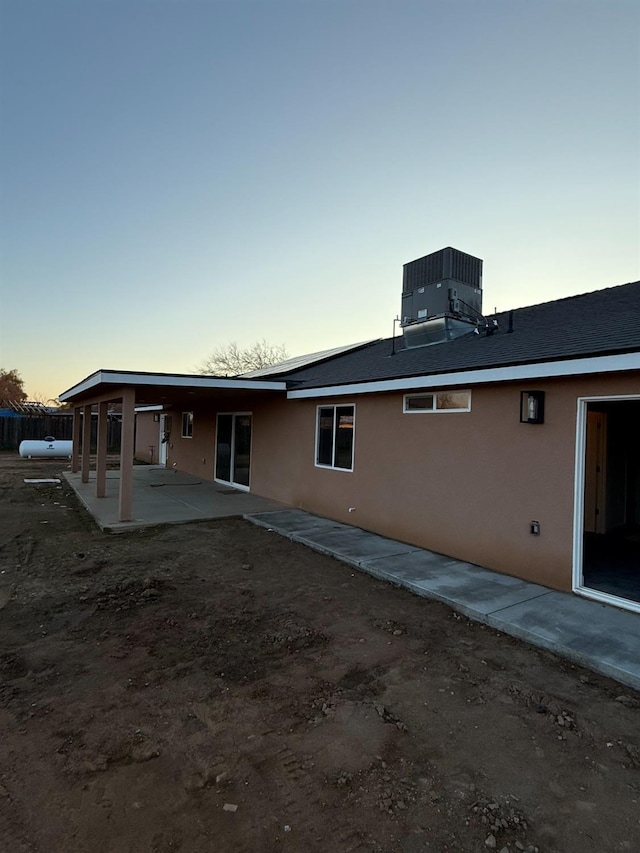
[(45, 447)]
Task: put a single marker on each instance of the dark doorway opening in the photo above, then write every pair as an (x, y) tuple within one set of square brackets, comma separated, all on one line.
[(611, 553)]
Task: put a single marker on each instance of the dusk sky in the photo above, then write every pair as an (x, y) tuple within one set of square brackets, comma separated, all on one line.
[(179, 175)]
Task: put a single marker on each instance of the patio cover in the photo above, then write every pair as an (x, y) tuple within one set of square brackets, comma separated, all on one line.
[(132, 389)]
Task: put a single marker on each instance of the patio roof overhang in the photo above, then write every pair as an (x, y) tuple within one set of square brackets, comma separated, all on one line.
[(162, 388), (131, 389)]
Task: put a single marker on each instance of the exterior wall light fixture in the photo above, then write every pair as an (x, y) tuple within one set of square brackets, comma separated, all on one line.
[(532, 407)]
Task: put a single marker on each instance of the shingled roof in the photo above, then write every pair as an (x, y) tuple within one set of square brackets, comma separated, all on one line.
[(604, 322)]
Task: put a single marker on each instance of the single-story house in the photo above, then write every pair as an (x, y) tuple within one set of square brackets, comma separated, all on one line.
[(510, 440)]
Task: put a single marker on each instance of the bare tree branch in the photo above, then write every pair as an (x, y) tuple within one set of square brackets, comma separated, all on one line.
[(232, 360)]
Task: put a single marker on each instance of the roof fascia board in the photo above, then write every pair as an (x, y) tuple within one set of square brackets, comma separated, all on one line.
[(540, 370), (169, 381)]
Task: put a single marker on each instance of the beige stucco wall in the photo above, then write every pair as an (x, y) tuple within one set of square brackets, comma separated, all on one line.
[(147, 435), (464, 484), (196, 455)]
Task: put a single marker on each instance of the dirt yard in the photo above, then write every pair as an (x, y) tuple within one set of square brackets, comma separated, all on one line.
[(214, 687)]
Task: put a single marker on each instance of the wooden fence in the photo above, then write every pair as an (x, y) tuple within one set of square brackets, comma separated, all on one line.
[(13, 430)]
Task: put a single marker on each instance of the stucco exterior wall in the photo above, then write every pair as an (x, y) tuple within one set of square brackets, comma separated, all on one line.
[(147, 436), (196, 455), (464, 484)]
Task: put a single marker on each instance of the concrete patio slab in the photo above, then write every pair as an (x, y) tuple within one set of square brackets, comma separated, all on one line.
[(416, 565), (468, 588), (162, 496), (597, 636), (355, 546), (329, 537), (295, 522)]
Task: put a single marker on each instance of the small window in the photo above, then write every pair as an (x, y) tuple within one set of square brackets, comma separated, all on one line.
[(439, 401), (422, 403), (187, 424), (422, 313), (334, 437)]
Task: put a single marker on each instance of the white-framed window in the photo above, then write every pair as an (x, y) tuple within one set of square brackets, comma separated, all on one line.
[(335, 426), (187, 424), (437, 401)]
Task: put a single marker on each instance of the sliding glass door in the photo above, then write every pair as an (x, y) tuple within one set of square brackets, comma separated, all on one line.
[(233, 449)]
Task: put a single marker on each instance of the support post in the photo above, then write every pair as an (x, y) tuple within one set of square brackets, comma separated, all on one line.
[(86, 442), (101, 456), (75, 441), (126, 454)]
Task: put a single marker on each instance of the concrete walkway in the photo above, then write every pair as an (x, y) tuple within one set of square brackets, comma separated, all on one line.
[(597, 636), (164, 496)]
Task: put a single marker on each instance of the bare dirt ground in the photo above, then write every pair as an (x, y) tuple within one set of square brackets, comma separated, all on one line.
[(214, 687)]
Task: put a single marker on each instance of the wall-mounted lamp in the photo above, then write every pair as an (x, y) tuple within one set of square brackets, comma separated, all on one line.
[(156, 419), (532, 407)]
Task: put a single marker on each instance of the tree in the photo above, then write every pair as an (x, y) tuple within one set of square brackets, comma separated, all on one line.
[(41, 397), (232, 360), (12, 386)]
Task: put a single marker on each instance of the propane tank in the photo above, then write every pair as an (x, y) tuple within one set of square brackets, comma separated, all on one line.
[(48, 446)]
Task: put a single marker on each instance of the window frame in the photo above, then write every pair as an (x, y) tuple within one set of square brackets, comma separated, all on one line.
[(333, 466), (435, 410), (189, 423)]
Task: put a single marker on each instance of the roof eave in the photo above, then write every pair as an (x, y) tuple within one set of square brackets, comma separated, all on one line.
[(119, 379), (512, 373)]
